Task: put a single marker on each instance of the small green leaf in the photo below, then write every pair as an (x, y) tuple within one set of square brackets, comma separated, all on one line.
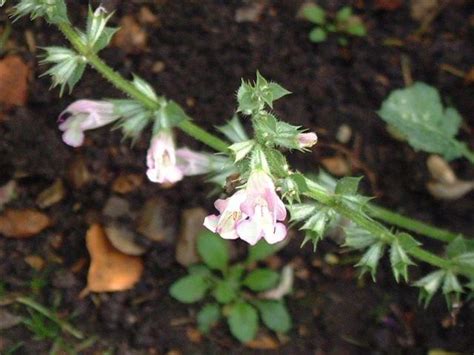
[(208, 316), (262, 250), (190, 289), (225, 291), (199, 269), (261, 279), (371, 258), (400, 261), (465, 260), (357, 29), (344, 14), (358, 238), (277, 91), (418, 114), (243, 321), (213, 250), (429, 285), (318, 35), (234, 130), (275, 315), (315, 14), (235, 273), (348, 185)]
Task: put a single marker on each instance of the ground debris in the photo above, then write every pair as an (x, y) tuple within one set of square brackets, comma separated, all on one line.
[(23, 223), (13, 81), (191, 224), (51, 195)]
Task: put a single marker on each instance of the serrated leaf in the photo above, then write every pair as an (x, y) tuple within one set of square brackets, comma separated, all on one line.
[(234, 130), (262, 250), (314, 13), (301, 211), (348, 185), (429, 285), (225, 291), (277, 91), (208, 316), (465, 260), (243, 321), (371, 258), (400, 261), (358, 238), (418, 114), (318, 35), (459, 246), (275, 315), (213, 250), (242, 149), (261, 279), (190, 289)]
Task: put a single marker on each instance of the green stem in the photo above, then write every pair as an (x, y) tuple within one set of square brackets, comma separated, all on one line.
[(319, 194), (126, 86), (411, 224)]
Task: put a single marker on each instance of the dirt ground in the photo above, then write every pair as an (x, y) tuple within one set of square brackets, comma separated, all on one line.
[(195, 53)]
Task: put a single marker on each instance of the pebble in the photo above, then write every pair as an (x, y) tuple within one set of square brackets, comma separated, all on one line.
[(191, 225)]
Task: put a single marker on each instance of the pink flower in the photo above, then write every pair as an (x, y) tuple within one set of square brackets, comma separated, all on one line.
[(252, 213), (84, 115), (191, 162), (161, 159), (307, 140)]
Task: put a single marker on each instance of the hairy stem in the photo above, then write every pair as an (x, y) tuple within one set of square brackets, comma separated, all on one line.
[(319, 195)]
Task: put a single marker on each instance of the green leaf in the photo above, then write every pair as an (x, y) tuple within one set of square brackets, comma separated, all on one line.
[(208, 316), (225, 291), (190, 289), (459, 246), (318, 35), (277, 91), (199, 269), (344, 14), (357, 29), (465, 260), (358, 238), (261, 279), (348, 185), (262, 250), (213, 250), (315, 14), (400, 261), (243, 321), (235, 273), (275, 315), (429, 285), (234, 130), (371, 258), (418, 114)]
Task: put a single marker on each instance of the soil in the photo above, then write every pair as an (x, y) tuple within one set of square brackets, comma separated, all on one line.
[(205, 54)]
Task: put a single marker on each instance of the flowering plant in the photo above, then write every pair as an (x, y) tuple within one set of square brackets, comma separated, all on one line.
[(260, 183)]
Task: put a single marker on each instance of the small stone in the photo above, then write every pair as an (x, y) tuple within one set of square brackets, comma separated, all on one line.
[(8, 320), (191, 225), (158, 67), (440, 170), (51, 195), (123, 239), (35, 261), (336, 165), (78, 174), (116, 207), (7, 193), (23, 223), (127, 183), (153, 223), (344, 134)]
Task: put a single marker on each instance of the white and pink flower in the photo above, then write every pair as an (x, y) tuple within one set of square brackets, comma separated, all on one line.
[(307, 140), (252, 213), (192, 163), (161, 159), (84, 115)]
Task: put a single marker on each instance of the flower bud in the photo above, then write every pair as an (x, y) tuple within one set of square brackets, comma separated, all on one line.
[(307, 140)]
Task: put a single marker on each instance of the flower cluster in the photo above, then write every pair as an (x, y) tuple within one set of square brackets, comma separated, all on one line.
[(252, 213)]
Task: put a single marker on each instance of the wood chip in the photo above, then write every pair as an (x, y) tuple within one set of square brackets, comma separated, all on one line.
[(13, 81), (23, 223)]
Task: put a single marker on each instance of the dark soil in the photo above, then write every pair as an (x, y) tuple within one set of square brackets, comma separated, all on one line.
[(206, 52)]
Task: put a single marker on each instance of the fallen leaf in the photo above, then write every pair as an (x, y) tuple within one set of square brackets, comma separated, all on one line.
[(127, 183), (22, 223), (191, 224), (51, 195), (110, 270), (263, 342), (13, 81), (131, 38)]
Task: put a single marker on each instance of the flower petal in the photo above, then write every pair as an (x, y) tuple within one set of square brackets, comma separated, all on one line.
[(278, 236), (210, 222), (249, 231)]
